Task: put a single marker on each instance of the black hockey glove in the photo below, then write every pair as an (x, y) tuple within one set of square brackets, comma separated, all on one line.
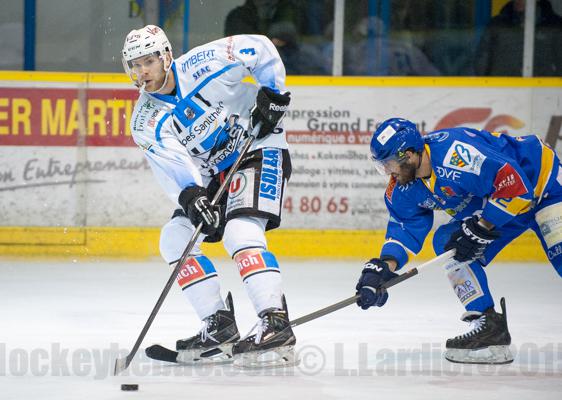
[(471, 240), (375, 273), (194, 201), (269, 109)]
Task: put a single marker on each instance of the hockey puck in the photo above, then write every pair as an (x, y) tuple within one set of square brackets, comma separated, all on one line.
[(130, 387)]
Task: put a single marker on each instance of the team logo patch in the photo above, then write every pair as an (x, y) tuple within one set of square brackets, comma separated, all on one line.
[(457, 160), (464, 157), (237, 185), (241, 190), (508, 183), (189, 113)]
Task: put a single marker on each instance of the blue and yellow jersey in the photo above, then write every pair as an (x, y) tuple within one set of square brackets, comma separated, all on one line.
[(472, 171)]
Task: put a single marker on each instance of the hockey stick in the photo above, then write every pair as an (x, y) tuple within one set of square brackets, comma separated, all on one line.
[(122, 363), (161, 353), (402, 277)]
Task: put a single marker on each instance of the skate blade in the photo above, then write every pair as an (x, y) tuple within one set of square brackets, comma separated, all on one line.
[(278, 357), (487, 355), (218, 355)]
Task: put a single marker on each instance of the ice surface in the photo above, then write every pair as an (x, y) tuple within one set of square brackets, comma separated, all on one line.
[(62, 324)]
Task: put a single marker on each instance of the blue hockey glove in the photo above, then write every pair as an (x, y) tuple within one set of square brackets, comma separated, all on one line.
[(375, 273), (198, 208), (471, 240), (269, 109)]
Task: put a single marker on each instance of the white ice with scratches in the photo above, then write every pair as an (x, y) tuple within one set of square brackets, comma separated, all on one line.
[(54, 314)]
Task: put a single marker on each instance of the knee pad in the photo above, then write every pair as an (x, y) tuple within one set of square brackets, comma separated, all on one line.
[(443, 234), (174, 237), (244, 233)]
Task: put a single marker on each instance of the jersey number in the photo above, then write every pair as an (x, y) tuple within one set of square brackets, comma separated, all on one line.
[(249, 50)]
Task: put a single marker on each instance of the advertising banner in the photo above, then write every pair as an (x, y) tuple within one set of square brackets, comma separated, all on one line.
[(67, 157)]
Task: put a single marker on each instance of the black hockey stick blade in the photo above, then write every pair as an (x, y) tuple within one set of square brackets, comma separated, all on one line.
[(161, 353), (123, 363), (353, 299)]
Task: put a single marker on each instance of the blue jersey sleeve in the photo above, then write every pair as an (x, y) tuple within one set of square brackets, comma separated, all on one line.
[(408, 223)]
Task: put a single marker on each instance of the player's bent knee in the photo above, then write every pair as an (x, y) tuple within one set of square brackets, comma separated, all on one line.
[(244, 233), (174, 237), (255, 261)]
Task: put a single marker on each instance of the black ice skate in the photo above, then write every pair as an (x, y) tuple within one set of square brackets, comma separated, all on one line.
[(213, 344), (486, 343), (271, 346)]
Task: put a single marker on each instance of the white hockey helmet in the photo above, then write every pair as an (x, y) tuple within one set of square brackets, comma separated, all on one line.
[(143, 42)]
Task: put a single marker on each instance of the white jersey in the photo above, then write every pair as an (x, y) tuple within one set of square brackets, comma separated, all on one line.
[(213, 105)]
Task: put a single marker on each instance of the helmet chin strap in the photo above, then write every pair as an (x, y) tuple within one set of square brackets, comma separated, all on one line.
[(142, 88)]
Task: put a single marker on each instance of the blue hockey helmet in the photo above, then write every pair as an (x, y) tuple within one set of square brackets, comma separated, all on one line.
[(391, 140)]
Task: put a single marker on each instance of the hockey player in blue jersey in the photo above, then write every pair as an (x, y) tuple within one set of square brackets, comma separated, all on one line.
[(494, 187), (190, 121)]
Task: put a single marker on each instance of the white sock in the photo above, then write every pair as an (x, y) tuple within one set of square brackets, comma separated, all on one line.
[(205, 297), (264, 290), (200, 283)]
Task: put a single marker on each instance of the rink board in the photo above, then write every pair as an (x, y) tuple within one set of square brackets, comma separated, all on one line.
[(70, 175), (141, 243)]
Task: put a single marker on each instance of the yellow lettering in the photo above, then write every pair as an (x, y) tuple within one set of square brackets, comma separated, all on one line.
[(53, 122), (21, 115), (128, 113), (75, 118), (4, 116), (96, 116), (115, 106)]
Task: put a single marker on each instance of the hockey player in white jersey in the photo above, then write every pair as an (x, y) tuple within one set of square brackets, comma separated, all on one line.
[(190, 121)]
